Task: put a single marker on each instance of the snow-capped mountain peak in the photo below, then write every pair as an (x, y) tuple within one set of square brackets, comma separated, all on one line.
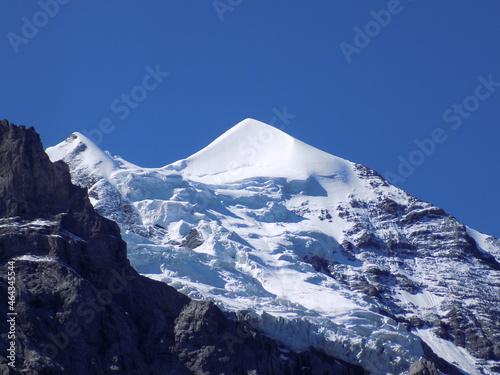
[(87, 154), (316, 251), (254, 149)]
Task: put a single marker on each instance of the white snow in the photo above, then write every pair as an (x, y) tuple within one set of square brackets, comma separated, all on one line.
[(35, 258), (449, 352), (423, 300), (94, 157), (25, 223), (485, 242)]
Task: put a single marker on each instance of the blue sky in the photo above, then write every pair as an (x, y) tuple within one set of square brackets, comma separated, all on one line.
[(369, 81)]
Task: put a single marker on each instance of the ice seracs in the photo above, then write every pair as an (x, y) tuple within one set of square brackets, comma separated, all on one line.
[(314, 250)]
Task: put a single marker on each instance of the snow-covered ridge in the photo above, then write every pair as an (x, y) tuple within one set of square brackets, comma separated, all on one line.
[(317, 251)]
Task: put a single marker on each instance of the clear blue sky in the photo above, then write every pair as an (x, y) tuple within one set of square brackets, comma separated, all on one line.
[(232, 59)]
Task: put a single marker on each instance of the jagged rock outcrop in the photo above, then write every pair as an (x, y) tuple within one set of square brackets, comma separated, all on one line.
[(423, 239), (423, 368), (82, 309)]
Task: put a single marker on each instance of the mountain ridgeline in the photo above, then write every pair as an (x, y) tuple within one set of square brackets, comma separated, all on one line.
[(311, 249)]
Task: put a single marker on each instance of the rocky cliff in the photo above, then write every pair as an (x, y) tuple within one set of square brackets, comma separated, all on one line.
[(82, 309)]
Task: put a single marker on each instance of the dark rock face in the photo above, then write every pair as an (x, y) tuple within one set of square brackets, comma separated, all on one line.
[(82, 309), (192, 240), (423, 368), (423, 239)]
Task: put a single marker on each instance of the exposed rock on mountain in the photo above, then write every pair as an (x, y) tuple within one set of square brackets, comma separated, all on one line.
[(82, 309)]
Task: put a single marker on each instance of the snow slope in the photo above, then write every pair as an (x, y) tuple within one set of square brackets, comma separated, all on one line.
[(314, 250), (254, 149)]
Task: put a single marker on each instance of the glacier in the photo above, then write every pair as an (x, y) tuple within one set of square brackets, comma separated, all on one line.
[(312, 249)]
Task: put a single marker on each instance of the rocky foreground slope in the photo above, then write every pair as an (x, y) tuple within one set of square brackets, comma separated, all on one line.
[(310, 248), (82, 309)]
